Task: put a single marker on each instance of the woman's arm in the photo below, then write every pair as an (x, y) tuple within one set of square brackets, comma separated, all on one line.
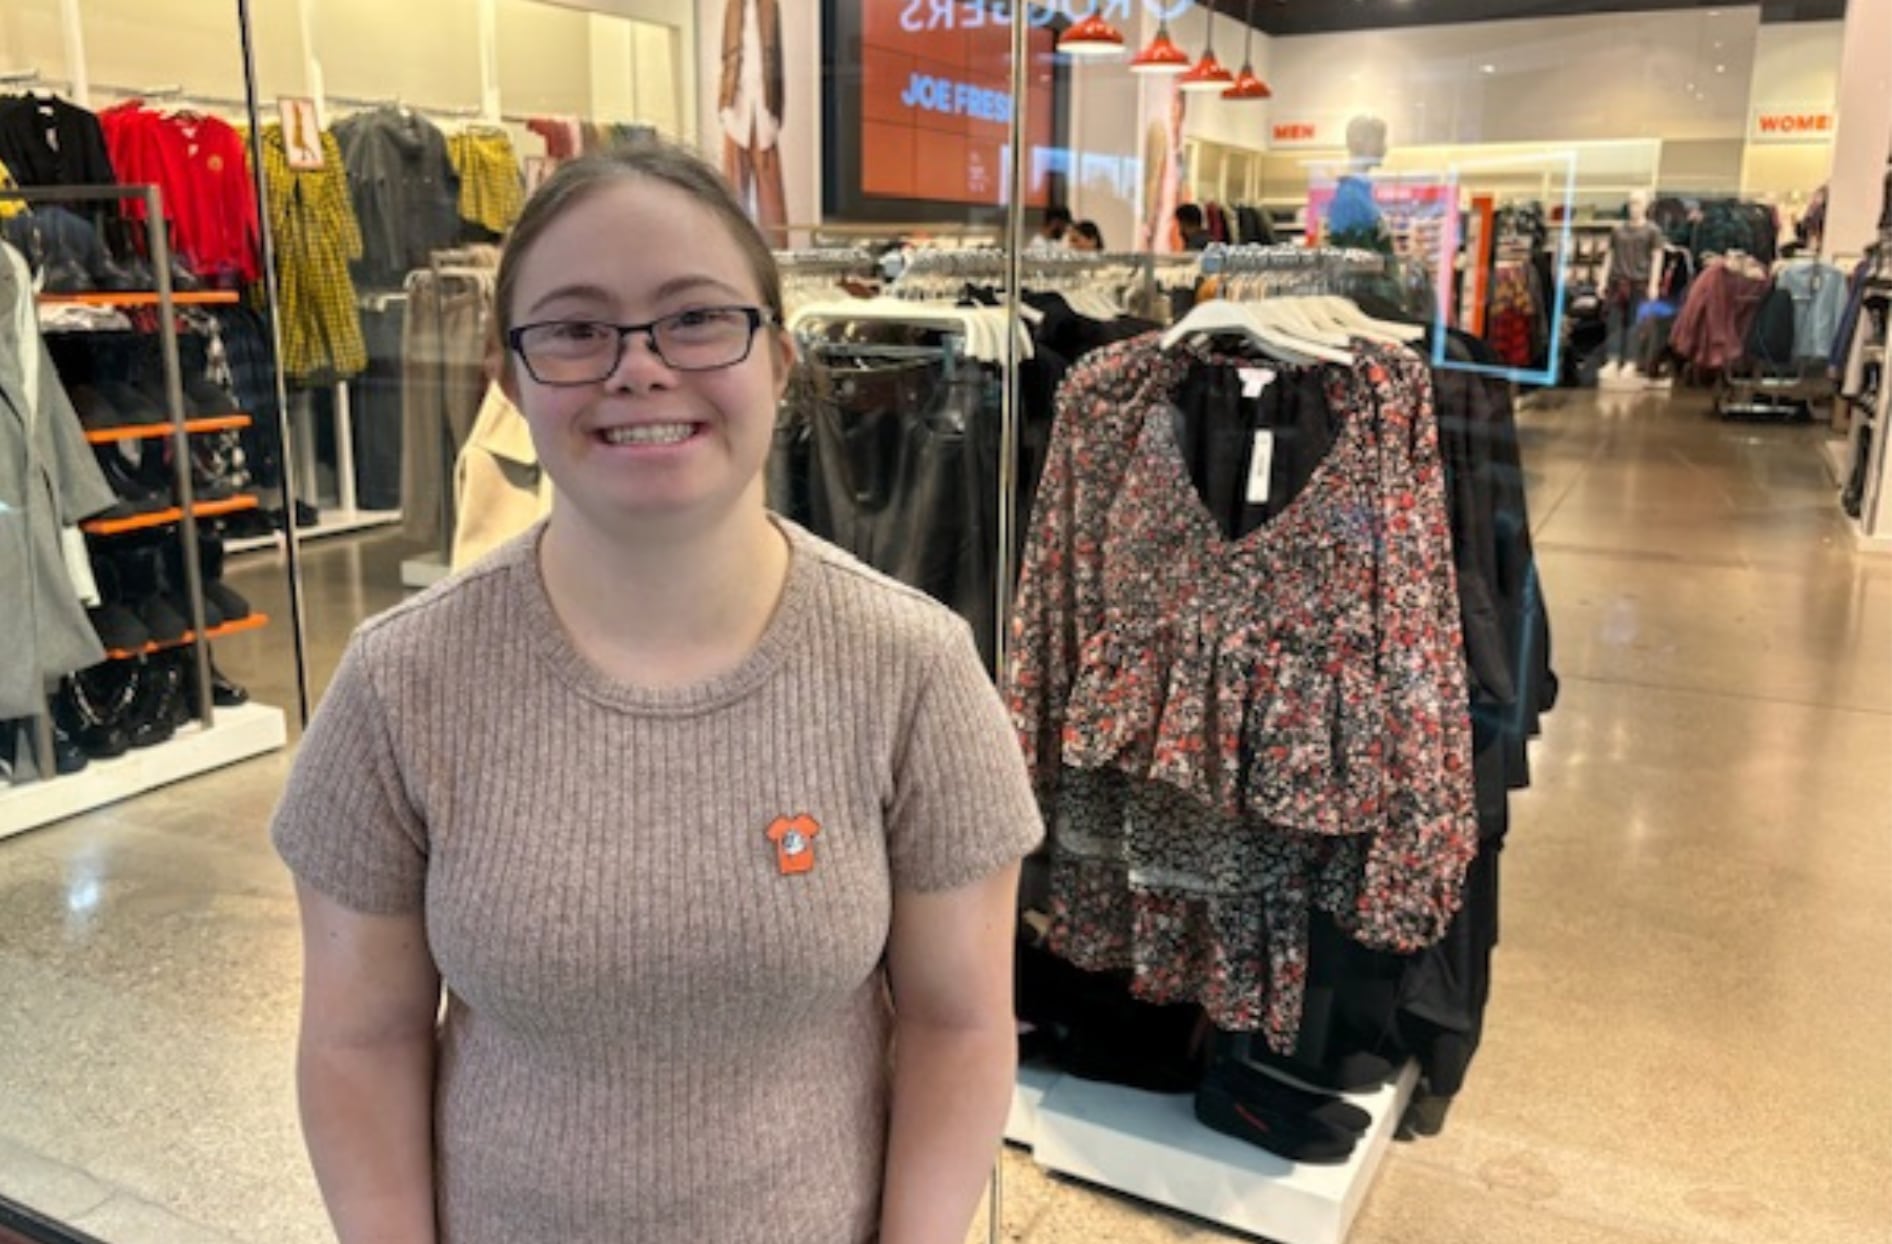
[(955, 1055), (365, 1069)]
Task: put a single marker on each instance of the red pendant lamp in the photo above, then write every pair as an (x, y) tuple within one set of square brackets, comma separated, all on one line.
[(1247, 85), (1092, 38), (1161, 57), (1208, 73)]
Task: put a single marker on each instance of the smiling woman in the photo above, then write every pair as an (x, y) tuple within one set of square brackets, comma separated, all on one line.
[(706, 735)]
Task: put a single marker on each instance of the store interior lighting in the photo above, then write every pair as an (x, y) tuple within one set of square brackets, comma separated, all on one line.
[(1209, 74), (1161, 57), (1248, 86), (1092, 38)]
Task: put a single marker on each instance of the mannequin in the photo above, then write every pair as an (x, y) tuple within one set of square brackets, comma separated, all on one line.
[(1355, 218), (1635, 246)]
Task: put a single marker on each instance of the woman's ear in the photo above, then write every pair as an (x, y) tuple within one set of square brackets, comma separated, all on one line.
[(786, 355)]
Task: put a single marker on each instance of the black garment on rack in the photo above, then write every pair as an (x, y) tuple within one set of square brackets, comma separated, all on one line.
[(898, 463), (404, 190), (374, 406), (1431, 1006), (1216, 427), (246, 347), (48, 141)]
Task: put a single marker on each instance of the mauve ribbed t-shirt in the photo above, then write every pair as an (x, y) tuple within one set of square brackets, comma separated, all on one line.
[(660, 1025)]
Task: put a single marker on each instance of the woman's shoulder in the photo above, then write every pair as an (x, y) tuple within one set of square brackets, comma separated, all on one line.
[(477, 603)]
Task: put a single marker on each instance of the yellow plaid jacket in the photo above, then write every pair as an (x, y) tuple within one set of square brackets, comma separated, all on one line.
[(313, 226)]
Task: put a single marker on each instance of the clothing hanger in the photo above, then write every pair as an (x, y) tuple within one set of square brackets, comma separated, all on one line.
[(1224, 317)]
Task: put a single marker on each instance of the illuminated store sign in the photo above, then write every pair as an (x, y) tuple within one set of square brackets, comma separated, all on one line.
[(922, 16), (956, 99), (1793, 125)]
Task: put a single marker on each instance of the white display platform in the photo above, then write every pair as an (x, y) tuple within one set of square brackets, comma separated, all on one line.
[(1150, 1146), (333, 523), (1021, 1125), (1838, 452), (240, 733)]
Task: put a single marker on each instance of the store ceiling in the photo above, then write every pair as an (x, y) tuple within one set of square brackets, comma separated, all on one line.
[(1303, 17)]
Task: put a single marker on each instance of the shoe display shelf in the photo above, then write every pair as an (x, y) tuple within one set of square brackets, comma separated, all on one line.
[(214, 737), (1865, 400), (1151, 1146), (144, 298)]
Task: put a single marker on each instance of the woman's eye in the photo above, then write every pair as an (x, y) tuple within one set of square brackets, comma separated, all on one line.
[(578, 331)]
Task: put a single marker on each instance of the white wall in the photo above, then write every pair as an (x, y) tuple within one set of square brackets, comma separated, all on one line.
[(1796, 68), (1550, 80), (425, 51)]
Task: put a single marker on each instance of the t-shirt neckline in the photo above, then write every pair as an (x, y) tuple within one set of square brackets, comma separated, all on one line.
[(555, 646)]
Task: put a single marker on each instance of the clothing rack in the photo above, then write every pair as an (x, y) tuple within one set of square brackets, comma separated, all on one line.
[(458, 111), (450, 264), (821, 259), (1325, 261)]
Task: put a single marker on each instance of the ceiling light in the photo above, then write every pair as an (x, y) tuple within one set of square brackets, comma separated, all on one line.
[(1488, 69), (1092, 38), (1162, 56), (1209, 73), (1247, 84), (1721, 69)]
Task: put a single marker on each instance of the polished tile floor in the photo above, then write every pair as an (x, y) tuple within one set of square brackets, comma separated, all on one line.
[(1690, 1031)]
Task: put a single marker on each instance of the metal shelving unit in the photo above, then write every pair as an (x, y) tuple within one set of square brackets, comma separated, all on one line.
[(254, 729)]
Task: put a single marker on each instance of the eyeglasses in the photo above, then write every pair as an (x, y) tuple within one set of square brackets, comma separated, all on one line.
[(577, 352)]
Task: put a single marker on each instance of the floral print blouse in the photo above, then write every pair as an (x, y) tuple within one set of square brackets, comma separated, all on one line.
[(1227, 732)]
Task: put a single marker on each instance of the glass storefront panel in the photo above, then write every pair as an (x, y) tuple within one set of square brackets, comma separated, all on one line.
[(1223, 367)]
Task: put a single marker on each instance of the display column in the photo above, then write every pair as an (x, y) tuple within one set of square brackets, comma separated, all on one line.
[(1856, 206), (1863, 143)]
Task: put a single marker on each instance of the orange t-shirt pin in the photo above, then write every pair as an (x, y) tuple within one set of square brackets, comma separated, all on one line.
[(794, 839)]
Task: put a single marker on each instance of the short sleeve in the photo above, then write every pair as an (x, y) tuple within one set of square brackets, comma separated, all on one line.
[(346, 825), (963, 806)]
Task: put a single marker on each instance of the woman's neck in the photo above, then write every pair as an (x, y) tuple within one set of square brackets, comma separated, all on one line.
[(665, 610)]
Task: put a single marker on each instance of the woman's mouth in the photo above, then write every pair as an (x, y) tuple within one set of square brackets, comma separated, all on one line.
[(649, 434)]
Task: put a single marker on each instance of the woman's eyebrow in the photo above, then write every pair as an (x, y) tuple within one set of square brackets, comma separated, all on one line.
[(595, 293)]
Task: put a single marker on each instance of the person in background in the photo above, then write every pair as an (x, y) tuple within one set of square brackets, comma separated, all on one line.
[(1052, 233), (707, 835), (1085, 236), (1195, 235)]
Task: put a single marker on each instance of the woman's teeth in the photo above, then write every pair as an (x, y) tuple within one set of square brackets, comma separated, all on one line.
[(650, 434)]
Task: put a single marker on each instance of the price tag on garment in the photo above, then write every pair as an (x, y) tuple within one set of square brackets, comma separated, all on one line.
[(1261, 468), (1254, 380)]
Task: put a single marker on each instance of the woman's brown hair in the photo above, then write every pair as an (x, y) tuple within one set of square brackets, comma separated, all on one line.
[(653, 160)]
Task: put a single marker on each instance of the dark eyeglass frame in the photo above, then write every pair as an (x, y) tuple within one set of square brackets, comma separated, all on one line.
[(757, 317)]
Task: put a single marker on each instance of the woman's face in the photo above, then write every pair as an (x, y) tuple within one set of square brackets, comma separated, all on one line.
[(648, 441)]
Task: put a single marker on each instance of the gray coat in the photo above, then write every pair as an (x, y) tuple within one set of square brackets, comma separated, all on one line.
[(49, 479)]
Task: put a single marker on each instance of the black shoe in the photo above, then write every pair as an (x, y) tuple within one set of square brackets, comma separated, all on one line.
[(229, 603), (133, 405), (119, 628), (95, 413), (63, 276), (116, 278), (68, 756), (1353, 1073), (134, 492), (1294, 1137), (1251, 1083), (204, 399), (166, 624), (92, 714), (223, 692), (149, 721), (213, 616)]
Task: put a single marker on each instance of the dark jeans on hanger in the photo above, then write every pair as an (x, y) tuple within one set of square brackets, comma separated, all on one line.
[(898, 465)]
